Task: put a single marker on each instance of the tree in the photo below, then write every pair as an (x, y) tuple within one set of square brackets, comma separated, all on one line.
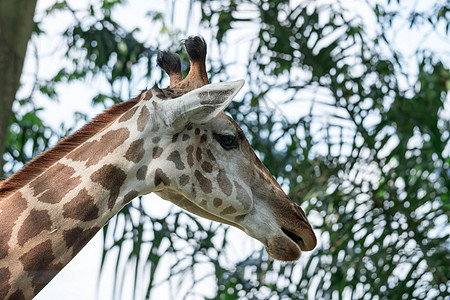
[(366, 153), (16, 25)]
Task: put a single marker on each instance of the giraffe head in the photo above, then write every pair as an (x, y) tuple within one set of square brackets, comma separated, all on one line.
[(176, 142), (209, 167)]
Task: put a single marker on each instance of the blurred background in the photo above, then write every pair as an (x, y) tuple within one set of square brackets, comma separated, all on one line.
[(345, 102)]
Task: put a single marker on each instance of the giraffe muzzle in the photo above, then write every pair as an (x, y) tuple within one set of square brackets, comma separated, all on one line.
[(294, 235), (298, 229), (301, 231), (288, 245)]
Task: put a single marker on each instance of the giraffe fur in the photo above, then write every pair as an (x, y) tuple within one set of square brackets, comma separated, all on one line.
[(176, 142)]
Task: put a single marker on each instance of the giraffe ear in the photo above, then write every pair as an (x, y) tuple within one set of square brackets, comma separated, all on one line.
[(201, 105)]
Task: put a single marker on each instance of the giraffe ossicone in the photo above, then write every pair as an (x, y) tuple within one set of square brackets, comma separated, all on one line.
[(176, 142)]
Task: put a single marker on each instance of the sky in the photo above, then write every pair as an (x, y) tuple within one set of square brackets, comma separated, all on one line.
[(78, 280)]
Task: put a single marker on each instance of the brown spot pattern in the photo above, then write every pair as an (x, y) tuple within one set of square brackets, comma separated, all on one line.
[(4, 284), (243, 196), (141, 172), (77, 238), (157, 151), (155, 127), (148, 95), (207, 167), (210, 155), (54, 189), (82, 207), (184, 179), (130, 196), (93, 152), (63, 148), (229, 210), (186, 137), (197, 131), (143, 118), (111, 178), (190, 156), (217, 202), (17, 295), (204, 138), (128, 115), (136, 151), (11, 208), (175, 138), (156, 140), (36, 222), (205, 183), (38, 263), (161, 177), (224, 183), (176, 159)]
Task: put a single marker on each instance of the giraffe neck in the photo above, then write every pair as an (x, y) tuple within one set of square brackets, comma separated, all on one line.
[(48, 221)]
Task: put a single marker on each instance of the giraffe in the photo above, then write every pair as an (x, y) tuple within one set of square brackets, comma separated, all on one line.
[(176, 142)]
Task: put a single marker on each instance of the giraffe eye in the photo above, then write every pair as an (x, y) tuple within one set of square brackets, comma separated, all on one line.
[(227, 141)]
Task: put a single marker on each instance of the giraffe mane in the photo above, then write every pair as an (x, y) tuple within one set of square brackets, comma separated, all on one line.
[(40, 163)]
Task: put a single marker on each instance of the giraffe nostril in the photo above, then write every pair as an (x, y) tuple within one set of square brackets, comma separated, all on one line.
[(304, 238), (297, 239)]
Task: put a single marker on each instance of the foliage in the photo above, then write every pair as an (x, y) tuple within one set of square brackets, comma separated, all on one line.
[(333, 110)]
